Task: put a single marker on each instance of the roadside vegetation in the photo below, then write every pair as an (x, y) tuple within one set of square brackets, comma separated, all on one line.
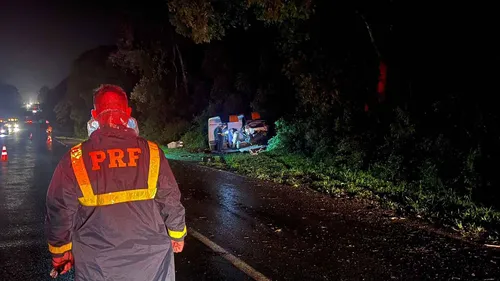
[(357, 108), (438, 205)]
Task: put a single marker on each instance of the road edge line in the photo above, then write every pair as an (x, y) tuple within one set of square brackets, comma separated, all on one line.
[(238, 263)]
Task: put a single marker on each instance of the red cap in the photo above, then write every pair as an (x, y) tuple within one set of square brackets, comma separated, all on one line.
[(110, 97)]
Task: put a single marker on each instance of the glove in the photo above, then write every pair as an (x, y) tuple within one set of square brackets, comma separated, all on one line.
[(62, 264), (177, 246)]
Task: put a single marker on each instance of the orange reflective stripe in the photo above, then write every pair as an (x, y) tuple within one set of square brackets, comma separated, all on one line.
[(154, 167), (81, 172), (90, 199), (61, 250)]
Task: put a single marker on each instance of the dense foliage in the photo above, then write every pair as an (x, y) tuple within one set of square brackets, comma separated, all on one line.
[(382, 87), (426, 127), (72, 100), (11, 101)]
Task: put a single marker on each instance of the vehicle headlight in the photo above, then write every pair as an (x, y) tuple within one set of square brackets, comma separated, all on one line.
[(7, 125), (2, 131), (16, 125), (16, 130)]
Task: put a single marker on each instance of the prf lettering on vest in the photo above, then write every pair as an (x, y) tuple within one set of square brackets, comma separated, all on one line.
[(115, 158)]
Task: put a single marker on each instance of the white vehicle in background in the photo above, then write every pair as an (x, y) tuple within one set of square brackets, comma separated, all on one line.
[(213, 122), (251, 134)]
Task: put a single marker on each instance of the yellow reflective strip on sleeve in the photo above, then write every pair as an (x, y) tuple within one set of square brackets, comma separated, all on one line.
[(154, 167), (81, 172), (61, 250), (177, 234)]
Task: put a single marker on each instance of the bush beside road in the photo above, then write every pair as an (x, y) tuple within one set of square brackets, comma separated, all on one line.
[(437, 206)]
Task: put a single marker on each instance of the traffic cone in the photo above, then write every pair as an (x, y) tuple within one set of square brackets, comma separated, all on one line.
[(5, 157), (49, 139)]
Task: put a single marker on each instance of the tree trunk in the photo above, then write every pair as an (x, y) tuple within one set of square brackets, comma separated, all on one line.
[(372, 39), (382, 79), (184, 78), (175, 66)]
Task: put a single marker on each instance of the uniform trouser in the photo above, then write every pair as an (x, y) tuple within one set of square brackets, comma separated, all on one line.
[(158, 266), (219, 143)]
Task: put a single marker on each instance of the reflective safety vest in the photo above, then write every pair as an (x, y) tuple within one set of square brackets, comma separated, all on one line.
[(91, 199)]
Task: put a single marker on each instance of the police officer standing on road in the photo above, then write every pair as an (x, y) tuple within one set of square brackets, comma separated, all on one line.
[(113, 205), (219, 137)]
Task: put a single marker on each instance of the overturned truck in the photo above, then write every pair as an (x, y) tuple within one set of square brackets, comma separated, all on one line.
[(238, 133)]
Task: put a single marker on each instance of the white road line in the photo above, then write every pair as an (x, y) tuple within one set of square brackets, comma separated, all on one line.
[(241, 265)]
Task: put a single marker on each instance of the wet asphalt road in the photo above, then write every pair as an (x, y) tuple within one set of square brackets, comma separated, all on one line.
[(299, 234), (285, 233)]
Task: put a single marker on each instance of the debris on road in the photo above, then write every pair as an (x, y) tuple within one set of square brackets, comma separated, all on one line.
[(175, 144)]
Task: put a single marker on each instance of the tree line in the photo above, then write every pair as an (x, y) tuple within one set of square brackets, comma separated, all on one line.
[(398, 89), (10, 101)]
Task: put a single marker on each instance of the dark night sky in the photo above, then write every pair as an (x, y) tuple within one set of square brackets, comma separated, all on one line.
[(39, 39)]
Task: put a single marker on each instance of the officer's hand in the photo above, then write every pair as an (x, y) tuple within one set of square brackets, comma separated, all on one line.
[(62, 265), (178, 246)]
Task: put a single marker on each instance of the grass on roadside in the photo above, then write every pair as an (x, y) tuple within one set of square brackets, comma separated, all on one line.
[(437, 205), (182, 154)]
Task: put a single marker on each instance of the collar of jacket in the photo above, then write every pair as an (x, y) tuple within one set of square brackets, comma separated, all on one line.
[(116, 131)]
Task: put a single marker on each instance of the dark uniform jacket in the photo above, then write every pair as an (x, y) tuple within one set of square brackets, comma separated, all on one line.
[(114, 202)]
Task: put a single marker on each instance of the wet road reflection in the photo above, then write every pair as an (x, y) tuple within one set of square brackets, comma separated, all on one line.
[(23, 184), (298, 234)]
